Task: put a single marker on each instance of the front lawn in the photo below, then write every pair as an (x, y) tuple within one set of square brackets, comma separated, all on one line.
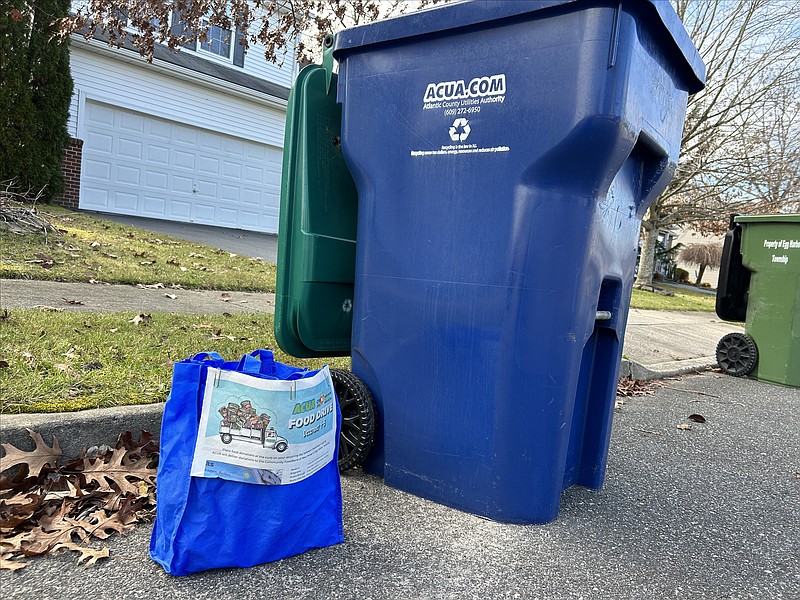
[(66, 361), (90, 248)]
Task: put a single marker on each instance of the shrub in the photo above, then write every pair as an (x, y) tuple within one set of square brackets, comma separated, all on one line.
[(681, 275)]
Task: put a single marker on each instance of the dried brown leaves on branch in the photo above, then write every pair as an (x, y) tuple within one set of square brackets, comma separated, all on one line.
[(18, 213), (274, 24), (50, 503)]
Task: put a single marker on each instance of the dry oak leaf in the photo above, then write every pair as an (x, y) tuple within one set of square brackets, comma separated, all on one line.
[(36, 459), (8, 564), (115, 471), (41, 541), (99, 529), (17, 509), (86, 553)]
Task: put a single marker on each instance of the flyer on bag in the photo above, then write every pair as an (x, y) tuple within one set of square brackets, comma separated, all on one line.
[(265, 431)]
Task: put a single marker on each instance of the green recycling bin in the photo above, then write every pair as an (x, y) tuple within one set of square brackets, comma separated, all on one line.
[(760, 280)]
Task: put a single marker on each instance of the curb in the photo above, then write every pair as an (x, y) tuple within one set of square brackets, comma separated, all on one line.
[(641, 372), (78, 430)]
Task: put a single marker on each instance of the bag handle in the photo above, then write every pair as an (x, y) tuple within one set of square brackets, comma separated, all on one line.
[(214, 357)]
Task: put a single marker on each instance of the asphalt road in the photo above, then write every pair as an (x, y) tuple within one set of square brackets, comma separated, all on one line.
[(710, 512)]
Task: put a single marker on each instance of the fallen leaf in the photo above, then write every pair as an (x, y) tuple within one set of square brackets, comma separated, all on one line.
[(91, 366), (141, 318), (94, 245), (184, 269), (44, 308), (226, 314), (171, 296), (71, 352), (62, 367), (225, 297), (152, 286), (8, 564), (86, 553), (173, 261), (697, 418), (242, 301), (4, 364), (196, 255), (110, 255), (232, 255), (146, 263), (114, 330), (76, 302), (36, 459), (684, 426), (29, 358)]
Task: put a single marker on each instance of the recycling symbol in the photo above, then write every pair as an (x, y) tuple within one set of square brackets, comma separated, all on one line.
[(462, 125)]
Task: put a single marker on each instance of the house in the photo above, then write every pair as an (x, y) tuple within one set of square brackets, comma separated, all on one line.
[(196, 136)]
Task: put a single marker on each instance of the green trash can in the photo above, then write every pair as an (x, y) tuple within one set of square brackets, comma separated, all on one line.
[(760, 280)]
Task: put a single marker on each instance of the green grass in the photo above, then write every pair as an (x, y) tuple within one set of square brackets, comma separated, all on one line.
[(92, 248), (683, 299), (67, 361)]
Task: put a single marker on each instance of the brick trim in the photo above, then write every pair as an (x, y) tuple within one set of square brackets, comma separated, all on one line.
[(71, 168)]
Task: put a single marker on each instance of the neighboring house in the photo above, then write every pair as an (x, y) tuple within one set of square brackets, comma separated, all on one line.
[(196, 136)]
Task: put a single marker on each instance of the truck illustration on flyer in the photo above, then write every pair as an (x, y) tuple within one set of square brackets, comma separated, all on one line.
[(265, 431), (240, 421)]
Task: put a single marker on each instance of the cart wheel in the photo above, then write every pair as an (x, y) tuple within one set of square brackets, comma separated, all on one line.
[(737, 354), (358, 418), (281, 446), (226, 438)]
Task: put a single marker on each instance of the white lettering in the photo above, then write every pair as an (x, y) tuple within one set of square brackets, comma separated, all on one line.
[(480, 87)]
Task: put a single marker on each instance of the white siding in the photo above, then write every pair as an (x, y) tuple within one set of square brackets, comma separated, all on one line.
[(141, 88), (255, 64)]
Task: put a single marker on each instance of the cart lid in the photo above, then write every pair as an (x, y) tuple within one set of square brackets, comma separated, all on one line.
[(658, 13)]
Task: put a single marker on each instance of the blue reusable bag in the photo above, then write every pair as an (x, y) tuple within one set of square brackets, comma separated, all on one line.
[(206, 523)]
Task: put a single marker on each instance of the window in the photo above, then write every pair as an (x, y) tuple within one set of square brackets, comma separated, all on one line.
[(218, 41)]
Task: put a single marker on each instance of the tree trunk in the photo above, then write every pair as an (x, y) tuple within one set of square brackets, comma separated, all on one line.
[(700, 272), (647, 257)]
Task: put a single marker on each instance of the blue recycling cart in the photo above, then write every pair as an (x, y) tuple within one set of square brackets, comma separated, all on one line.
[(504, 155)]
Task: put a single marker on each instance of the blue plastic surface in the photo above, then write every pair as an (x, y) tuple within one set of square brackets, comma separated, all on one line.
[(504, 155)]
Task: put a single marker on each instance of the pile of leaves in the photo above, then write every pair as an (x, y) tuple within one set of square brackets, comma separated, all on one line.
[(49, 503), (627, 387)]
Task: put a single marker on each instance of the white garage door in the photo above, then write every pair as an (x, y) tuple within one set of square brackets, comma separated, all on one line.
[(134, 164)]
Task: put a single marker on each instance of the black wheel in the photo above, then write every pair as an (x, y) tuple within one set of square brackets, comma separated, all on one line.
[(281, 446), (737, 354), (226, 438), (358, 418)]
